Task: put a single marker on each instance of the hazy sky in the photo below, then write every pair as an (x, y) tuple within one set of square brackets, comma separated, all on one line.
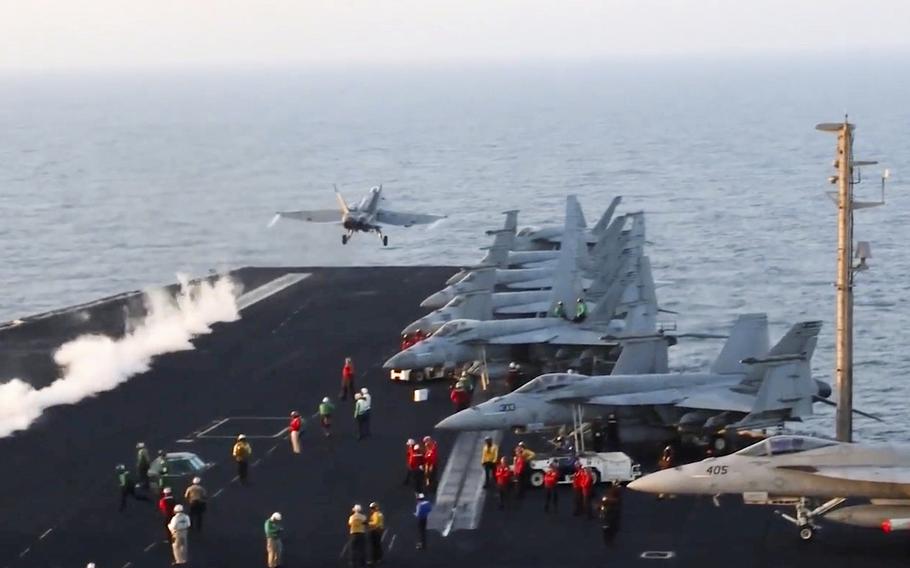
[(74, 34)]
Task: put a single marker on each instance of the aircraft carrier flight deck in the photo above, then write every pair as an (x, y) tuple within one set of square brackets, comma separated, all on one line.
[(60, 498)]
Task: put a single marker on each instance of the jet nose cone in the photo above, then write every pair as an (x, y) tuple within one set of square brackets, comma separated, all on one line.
[(468, 419), (456, 277), (403, 360), (436, 300), (658, 482)]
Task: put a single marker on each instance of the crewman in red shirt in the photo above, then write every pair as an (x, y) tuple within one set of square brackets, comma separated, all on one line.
[(503, 476), (430, 458), (347, 379), (166, 508), (587, 490), (550, 481), (577, 485), (415, 457), (294, 428)]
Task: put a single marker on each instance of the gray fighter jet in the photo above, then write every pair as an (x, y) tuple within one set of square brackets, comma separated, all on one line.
[(461, 341), (747, 386), (589, 264), (366, 216), (477, 299), (795, 469), (543, 238)]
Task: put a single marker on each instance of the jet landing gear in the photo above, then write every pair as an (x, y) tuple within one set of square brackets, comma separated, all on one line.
[(346, 237), (383, 238), (805, 517)]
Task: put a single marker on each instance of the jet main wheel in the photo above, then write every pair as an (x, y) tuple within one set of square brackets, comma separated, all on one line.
[(806, 533), (344, 239), (385, 241)]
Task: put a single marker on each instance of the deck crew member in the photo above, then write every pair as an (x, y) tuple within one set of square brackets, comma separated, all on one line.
[(242, 453), (512, 377), (347, 379), (578, 480), (587, 490), (581, 310), (415, 457), (376, 525), (503, 481), (368, 414), (550, 482), (489, 455), (559, 311), (179, 526), (143, 463), (430, 459), (357, 527), (274, 548), (196, 497), (422, 512), (326, 408), (127, 487), (522, 472), (610, 512), (166, 508), (294, 428), (360, 415)]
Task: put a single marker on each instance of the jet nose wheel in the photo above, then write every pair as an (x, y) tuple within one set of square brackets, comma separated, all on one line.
[(806, 533), (385, 240)]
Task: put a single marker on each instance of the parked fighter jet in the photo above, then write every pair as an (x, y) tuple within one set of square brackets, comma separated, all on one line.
[(747, 386), (366, 216), (796, 468), (542, 238), (464, 340), (477, 300), (590, 265)]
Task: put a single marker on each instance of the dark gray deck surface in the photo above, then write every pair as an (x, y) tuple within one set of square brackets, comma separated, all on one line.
[(286, 353)]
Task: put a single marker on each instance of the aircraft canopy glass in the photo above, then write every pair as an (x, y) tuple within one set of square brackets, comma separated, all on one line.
[(452, 328), (780, 445), (546, 383)]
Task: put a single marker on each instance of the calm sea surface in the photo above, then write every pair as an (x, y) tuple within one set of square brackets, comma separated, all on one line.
[(115, 182)]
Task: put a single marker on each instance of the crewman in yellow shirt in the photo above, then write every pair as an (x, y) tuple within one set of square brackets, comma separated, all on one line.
[(377, 528), (357, 523)]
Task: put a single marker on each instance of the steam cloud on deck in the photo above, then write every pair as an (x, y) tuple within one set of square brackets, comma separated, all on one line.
[(91, 364)]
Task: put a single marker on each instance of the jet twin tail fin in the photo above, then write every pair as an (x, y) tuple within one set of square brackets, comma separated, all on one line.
[(605, 219), (748, 339), (786, 382)]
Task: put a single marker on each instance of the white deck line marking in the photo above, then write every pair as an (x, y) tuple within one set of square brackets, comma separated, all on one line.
[(24, 552), (262, 292), (272, 449), (217, 493), (149, 547), (236, 478), (212, 427), (257, 462), (392, 544), (127, 565), (344, 548), (45, 533)]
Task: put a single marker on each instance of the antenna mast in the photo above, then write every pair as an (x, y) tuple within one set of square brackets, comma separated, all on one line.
[(843, 341)]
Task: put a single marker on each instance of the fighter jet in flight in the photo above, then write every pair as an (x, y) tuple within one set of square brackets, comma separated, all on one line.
[(747, 386), (795, 469), (366, 216)]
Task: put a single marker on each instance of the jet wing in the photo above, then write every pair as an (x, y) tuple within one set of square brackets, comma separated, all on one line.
[(651, 398), (529, 308), (557, 336), (312, 216), (869, 473), (711, 398), (387, 217)]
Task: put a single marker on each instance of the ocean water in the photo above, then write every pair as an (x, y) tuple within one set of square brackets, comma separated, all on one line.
[(111, 182)]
